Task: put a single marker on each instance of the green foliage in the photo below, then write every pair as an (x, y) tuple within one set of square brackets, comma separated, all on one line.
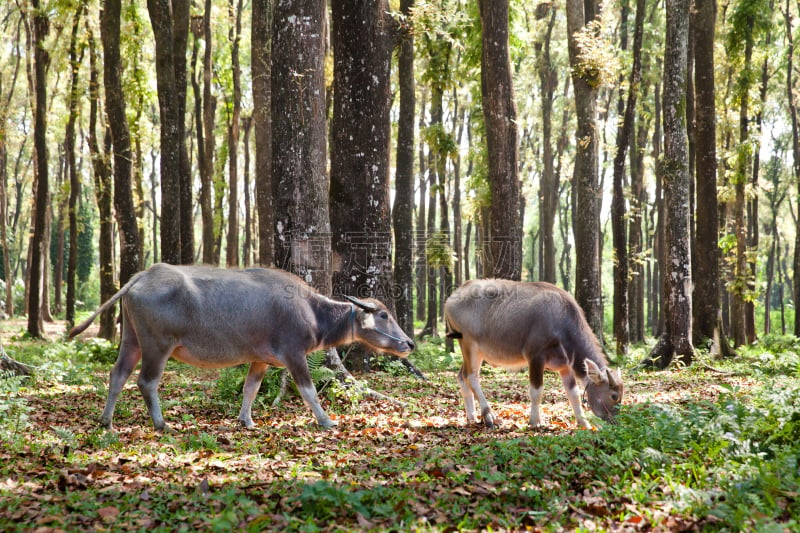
[(438, 251), (598, 61), (14, 409), (98, 350), (325, 501), (86, 246), (431, 355), (748, 20), (231, 381)]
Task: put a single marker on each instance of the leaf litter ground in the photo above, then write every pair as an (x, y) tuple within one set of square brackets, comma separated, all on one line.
[(384, 467)]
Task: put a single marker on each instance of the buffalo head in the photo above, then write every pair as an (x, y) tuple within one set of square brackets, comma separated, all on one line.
[(603, 390), (374, 326)]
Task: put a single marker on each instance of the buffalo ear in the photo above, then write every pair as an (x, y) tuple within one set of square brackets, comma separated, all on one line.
[(366, 306), (594, 373)]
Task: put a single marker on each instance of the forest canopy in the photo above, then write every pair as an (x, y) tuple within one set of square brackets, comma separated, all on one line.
[(396, 149)]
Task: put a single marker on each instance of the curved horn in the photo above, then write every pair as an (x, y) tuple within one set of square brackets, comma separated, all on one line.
[(613, 378), (366, 306)]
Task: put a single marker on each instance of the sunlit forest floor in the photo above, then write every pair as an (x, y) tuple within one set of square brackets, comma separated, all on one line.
[(710, 447)]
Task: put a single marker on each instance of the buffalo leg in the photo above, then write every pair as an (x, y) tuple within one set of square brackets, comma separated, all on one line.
[(154, 359), (469, 375), (249, 392), (574, 396), (298, 368), (466, 392), (129, 355), (536, 387)]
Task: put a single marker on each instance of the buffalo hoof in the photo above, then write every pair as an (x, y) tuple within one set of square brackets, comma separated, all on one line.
[(327, 423), (247, 424), (488, 419)]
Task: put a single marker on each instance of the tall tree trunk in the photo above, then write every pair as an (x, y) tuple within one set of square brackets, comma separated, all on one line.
[(4, 233), (101, 171), (431, 277), (41, 58), (618, 207), (72, 171), (261, 44), (161, 19), (204, 167), (792, 105), (707, 319), (752, 204), (180, 38), (302, 228), (247, 245), (677, 338), (420, 266), (359, 194), (657, 224), (742, 285), (120, 136), (60, 212), (403, 209), (500, 117), (586, 179), (232, 249), (548, 191), (459, 119)]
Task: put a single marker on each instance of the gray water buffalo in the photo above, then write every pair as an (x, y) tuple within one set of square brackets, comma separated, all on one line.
[(533, 325), (214, 318)]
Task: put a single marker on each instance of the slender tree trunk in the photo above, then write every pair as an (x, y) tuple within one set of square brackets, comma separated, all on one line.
[(500, 116), (261, 44), (203, 166), (4, 220), (637, 219), (120, 136), (180, 36), (548, 194), (103, 190), (403, 209), (247, 246), (420, 267), (586, 212), (41, 58), (657, 225), (792, 105), (707, 319), (232, 247), (62, 222), (432, 310), (752, 204), (169, 112), (459, 117), (618, 207), (72, 171), (677, 339)]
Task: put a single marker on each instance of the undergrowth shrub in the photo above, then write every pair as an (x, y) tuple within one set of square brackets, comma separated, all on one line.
[(14, 409), (431, 355), (231, 380), (735, 459)]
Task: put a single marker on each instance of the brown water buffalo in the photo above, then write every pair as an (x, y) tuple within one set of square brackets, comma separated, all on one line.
[(213, 318), (534, 325)]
